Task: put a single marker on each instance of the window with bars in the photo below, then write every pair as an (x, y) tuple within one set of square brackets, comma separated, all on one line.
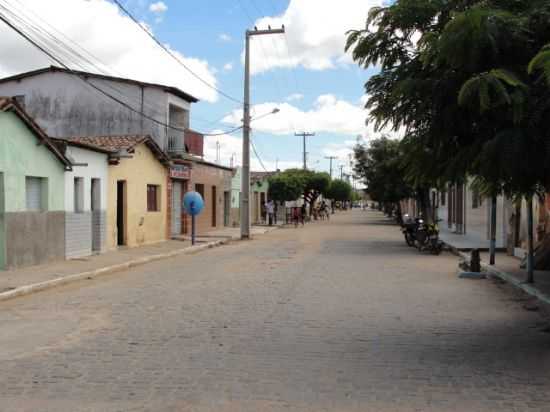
[(153, 198)]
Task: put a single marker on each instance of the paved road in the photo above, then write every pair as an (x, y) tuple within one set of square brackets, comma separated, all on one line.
[(337, 316)]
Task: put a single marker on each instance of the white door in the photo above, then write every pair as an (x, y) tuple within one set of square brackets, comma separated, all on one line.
[(176, 208)]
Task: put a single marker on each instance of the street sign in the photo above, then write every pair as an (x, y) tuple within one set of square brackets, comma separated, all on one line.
[(193, 203), (180, 172)]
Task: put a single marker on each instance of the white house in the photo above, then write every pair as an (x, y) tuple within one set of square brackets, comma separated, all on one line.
[(85, 200)]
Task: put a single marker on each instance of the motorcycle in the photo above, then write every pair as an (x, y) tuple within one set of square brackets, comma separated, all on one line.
[(409, 228), (427, 238)]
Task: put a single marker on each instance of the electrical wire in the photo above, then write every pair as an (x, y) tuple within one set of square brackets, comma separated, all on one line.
[(257, 155), (163, 47), (57, 59)]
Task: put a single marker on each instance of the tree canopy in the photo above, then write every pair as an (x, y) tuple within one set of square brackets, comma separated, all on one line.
[(468, 81), (339, 190), (291, 184)]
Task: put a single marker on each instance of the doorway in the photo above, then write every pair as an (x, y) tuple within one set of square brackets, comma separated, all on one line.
[(177, 196), (121, 212), (226, 207), (214, 210), (95, 207)]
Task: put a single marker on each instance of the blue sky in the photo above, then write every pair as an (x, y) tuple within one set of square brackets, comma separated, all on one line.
[(195, 31), (307, 63)]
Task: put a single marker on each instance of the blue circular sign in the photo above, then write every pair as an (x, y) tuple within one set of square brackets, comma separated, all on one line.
[(193, 203)]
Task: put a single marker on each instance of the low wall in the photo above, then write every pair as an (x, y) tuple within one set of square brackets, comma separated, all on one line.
[(32, 238)]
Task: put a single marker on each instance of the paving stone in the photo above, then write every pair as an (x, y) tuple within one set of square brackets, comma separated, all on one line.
[(336, 316)]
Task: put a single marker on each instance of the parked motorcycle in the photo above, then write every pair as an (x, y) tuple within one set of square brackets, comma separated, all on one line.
[(427, 238), (409, 227)]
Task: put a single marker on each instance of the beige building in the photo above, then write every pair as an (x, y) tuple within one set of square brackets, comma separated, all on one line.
[(137, 209)]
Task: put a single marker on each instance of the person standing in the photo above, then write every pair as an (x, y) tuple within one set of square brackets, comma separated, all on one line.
[(270, 209)]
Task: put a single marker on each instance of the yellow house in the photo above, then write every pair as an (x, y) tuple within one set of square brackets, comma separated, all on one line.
[(137, 189)]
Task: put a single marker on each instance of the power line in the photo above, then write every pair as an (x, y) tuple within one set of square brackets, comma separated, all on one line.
[(257, 155), (152, 36), (81, 53), (56, 59)]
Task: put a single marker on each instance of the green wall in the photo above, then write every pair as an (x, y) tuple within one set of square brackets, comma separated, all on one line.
[(21, 156), (236, 188), (2, 231)]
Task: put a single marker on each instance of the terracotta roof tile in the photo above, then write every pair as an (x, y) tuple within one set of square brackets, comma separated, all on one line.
[(111, 143)]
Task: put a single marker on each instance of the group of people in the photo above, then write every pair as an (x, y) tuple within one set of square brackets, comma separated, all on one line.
[(298, 214), (320, 211)]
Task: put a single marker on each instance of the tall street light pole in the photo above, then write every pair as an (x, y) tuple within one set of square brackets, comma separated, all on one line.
[(331, 158), (245, 178), (304, 135)]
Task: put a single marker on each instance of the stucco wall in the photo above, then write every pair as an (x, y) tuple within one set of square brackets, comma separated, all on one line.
[(34, 237), (210, 176), (142, 227), (65, 106), (28, 238), (254, 201), (20, 156), (79, 226)]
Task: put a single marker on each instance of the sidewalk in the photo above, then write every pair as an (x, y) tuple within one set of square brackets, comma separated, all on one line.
[(468, 241), (19, 282), (508, 269)]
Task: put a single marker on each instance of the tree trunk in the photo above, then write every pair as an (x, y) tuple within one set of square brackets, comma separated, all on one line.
[(530, 268), (425, 205), (399, 214), (493, 230)]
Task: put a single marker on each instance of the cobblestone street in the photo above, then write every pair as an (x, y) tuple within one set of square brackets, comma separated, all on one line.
[(337, 316)]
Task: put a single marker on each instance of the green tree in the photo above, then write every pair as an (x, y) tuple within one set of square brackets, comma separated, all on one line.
[(380, 167), (292, 184), (339, 191), (285, 187), (464, 79)]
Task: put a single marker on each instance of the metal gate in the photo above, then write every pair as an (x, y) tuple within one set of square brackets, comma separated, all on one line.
[(176, 207)]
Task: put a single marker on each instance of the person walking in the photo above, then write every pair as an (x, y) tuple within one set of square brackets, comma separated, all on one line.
[(303, 212)]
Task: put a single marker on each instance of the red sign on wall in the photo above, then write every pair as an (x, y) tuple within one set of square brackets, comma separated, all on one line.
[(180, 172)]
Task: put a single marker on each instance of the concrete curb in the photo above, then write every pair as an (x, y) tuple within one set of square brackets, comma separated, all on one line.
[(527, 288), (48, 284)]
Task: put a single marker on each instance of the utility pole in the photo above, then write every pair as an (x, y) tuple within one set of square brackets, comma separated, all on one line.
[(331, 158), (304, 135), (245, 181), (341, 172)]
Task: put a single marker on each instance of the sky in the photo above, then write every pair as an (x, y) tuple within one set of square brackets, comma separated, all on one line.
[(304, 73)]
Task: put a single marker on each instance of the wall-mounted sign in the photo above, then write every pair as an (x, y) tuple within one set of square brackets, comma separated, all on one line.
[(180, 172)]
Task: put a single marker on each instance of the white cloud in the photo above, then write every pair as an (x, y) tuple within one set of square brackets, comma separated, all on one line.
[(316, 34), (294, 96), (158, 8), (99, 28), (328, 115), (224, 37), (228, 66)]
